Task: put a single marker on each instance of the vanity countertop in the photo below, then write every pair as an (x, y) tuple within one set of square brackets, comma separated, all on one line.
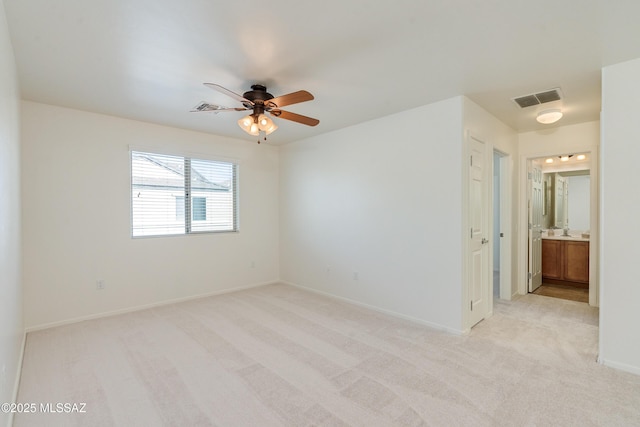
[(575, 236)]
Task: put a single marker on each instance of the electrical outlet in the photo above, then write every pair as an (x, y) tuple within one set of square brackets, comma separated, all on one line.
[(101, 284)]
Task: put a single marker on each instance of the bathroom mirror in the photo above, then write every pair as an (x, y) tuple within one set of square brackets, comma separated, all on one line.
[(566, 200)]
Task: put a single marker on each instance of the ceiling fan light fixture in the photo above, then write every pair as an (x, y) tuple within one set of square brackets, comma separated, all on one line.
[(266, 125), (548, 117), (248, 125)]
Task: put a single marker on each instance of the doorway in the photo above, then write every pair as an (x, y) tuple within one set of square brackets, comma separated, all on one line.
[(569, 237), (501, 226), (489, 213)]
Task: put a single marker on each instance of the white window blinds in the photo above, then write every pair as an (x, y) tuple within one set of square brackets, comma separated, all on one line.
[(180, 195)]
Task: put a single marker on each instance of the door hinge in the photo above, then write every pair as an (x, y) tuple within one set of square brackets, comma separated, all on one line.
[(530, 226), (529, 276), (471, 305), (470, 160), (529, 175)]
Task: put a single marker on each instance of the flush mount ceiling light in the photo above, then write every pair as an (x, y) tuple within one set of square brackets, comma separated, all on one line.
[(547, 117)]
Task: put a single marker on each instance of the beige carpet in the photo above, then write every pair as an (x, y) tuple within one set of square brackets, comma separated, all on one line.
[(280, 356)]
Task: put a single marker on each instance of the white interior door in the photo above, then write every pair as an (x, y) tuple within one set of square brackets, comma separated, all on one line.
[(535, 227), (480, 269)]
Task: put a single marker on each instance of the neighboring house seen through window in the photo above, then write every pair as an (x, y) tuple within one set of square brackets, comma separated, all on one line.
[(199, 209), (180, 195), (180, 208)]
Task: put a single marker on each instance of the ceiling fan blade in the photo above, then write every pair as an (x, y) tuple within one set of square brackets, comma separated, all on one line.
[(309, 121), (288, 99), (205, 106), (228, 93)]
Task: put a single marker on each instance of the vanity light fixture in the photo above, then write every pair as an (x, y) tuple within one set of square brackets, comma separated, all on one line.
[(547, 117), (564, 158), (549, 160), (581, 157)]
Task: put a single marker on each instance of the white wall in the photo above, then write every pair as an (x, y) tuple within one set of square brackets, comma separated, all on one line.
[(11, 329), (76, 218), (582, 138), (381, 199), (579, 202), (619, 314)]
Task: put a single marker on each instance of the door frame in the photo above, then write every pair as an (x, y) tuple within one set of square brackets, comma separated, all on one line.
[(506, 201), (594, 211)]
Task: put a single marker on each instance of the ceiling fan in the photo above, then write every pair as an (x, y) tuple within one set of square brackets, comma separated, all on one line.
[(260, 102)]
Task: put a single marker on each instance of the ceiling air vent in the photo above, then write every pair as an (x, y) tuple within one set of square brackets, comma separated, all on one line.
[(205, 106), (538, 98)]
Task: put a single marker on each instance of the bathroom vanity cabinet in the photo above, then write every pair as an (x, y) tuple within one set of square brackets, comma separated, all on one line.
[(565, 262)]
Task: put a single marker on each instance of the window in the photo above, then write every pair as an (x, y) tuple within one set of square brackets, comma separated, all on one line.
[(179, 195)]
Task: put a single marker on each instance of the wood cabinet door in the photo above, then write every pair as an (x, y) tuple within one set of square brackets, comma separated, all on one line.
[(552, 259), (576, 267)]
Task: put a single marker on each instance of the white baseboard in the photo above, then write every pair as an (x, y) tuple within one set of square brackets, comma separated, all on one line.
[(380, 310), (620, 366), (144, 307), (16, 384)]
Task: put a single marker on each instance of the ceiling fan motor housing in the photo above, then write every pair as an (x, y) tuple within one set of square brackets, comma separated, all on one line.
[(258, 95)]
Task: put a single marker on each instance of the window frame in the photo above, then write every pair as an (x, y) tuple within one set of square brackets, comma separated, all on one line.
[(187, 158)]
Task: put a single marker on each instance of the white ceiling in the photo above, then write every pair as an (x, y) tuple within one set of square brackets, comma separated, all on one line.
[(147, 59)]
